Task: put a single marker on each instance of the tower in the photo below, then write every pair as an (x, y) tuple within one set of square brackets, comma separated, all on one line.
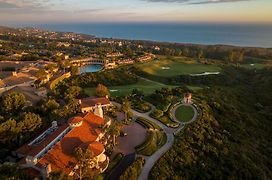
[(98, 110), (187, 98)]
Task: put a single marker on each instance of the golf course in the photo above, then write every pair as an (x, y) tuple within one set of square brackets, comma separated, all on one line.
[(174, 66), (143, 85)]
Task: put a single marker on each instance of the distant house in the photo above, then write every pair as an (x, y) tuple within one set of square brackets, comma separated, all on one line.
[(146, 57), (53, 149), (157, 48), (90, 103)]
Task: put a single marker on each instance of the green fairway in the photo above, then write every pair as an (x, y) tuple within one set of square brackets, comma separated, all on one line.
[(184, 113), (254, 66), (173, 66), (147, 87), (195, 88)]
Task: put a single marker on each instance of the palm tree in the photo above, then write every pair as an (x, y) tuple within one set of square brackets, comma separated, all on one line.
[(84, 165), (114, 131), (126, 107)]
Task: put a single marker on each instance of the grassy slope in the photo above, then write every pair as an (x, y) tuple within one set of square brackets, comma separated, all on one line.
[(184, 113), (178, 66)]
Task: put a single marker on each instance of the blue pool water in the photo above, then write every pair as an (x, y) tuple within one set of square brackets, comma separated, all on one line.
[(90, 68)]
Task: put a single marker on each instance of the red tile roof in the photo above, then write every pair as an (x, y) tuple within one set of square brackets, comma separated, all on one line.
[(91, 102), (62, 153), (96, 147), (75, 120), (34, 150)]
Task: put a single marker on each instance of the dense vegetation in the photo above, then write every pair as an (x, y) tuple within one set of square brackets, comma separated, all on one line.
[(133, 171), (109, 78), (231, 140)]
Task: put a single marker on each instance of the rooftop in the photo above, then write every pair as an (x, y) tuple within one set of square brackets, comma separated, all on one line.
[(92, 101), (61, 153)]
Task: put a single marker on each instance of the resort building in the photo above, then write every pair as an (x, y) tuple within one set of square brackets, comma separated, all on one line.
[(53, 149), (91, 103), (126, 61), (116, 54), (146, 57), (187, 98)]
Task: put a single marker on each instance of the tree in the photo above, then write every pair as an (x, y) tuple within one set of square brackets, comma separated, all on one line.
[(85, 164), (9, 131), (41, 75), (72, 93), (134, 170), (58, 175), (11, 171), (29, 122), (13, 103), (102, 90), (126, 107), (114, 131), (200, 54), (74, 70), (65, 64), (231, 56), (49, 105), (69, 110), (138, 93)]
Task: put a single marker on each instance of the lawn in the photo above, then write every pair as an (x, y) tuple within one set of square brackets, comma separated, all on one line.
[(184, 113), (173, 66), (146, 86)]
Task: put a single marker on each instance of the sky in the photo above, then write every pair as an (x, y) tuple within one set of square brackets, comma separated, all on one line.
[(97, 11)]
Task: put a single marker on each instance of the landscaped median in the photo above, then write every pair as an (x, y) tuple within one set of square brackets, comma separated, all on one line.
[(184, 113), (155, 139), (163, 117)]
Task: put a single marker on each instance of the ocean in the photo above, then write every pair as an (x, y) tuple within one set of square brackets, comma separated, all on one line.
[(249, 35)]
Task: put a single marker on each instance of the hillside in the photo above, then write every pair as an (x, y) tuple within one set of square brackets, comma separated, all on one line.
[(231, 141)]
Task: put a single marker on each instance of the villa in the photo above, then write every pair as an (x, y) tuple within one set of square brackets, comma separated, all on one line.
[(53, 149)]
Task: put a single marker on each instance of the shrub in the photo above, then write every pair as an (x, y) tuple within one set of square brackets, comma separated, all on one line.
[(157, 113)]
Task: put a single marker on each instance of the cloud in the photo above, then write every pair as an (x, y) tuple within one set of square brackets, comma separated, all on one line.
[(88, 11), (216, 1), (197, 1), (7, 5)]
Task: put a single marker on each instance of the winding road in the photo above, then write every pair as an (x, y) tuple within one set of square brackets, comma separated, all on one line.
[(170, 132)]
